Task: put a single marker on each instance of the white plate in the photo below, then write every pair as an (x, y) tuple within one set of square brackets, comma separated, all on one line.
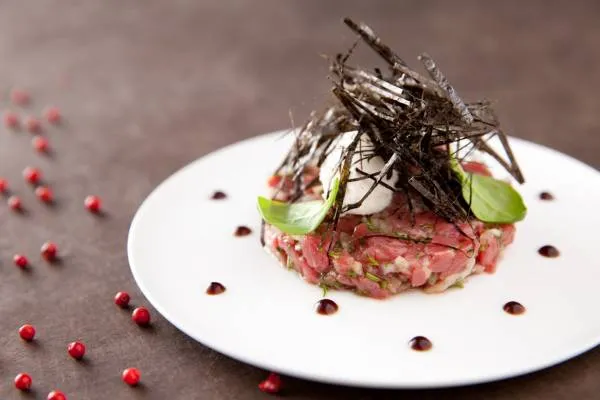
[(180, 241)]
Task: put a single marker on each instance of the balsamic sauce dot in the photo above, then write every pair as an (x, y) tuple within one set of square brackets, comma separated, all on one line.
[(514, 308), (549, 251), (215, 288), (420, 343), (218, 195), (326, 307), (546, 196), (242, 231)]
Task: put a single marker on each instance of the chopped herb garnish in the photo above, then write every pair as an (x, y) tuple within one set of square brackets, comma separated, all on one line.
[(372, 260), (384, 284), (459, 284), (352, 274), (335, 254), (370, 225), (324, 287), (432, 279), (372, 277), (407, 237), (336, 251)]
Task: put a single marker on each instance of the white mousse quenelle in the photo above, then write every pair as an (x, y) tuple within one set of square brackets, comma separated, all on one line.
[(380, 198)]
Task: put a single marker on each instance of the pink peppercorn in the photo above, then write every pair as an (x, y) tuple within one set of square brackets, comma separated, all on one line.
[(40, 143), (19, 96), (10, 119), (32, 124), (52, 115)]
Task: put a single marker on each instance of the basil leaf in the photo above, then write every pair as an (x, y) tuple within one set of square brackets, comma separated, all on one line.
[(297, 218), (491, 200)]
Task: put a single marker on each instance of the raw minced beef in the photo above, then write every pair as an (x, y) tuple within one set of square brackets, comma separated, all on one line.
[(386, 253)]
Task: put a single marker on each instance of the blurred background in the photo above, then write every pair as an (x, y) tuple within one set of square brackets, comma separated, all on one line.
[(205, 73), (148, 86)]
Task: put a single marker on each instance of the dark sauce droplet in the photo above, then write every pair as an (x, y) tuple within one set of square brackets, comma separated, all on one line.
[(549, 251), (218, 195), (546, 196), (420, 343), (242, 231), (326, 307), (514, 308), (215, 288)]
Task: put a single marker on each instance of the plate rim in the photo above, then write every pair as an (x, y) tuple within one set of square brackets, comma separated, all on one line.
[(264, 363)]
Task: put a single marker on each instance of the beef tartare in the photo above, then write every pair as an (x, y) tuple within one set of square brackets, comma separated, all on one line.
[(385, 253), (380, 193)]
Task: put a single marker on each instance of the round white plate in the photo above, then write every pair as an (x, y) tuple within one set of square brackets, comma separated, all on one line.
[(181, 240)]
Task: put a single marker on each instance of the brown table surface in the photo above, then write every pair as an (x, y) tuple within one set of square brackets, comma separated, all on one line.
[(148, 86)]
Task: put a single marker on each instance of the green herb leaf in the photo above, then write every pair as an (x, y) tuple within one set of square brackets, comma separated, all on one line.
[(297, 218), (372, 260), (335, 254), (491, 200), (370, 225), (458, 284), (432, 279), (349, 247), (289, 263), (372, 277), (325, 288)]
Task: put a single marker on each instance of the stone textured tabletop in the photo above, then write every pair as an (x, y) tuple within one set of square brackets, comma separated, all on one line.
[(148, 86)]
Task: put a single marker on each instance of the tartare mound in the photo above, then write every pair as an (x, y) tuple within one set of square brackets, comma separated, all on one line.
[(381, 191), (382, 254)]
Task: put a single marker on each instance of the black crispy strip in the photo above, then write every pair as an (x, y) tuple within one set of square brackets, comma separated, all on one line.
[(441, 80), (415, 123)]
